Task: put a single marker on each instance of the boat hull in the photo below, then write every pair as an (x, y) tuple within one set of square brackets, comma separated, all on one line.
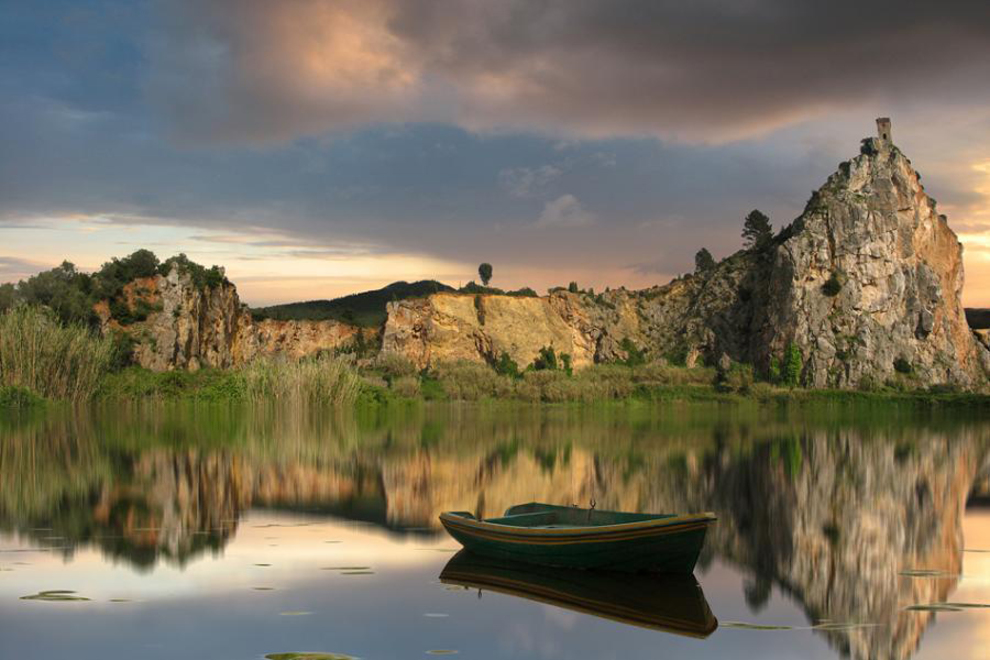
[(668, 546)]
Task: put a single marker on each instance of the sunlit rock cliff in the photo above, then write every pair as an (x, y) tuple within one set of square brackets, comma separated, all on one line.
[(866, 284), (189, 326)]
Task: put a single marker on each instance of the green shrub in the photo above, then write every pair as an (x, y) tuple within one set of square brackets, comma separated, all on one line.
[(902, 366), (833, 285), (16, 397), (793, 366), (573, 287), (774, 373), (506, 366), (634, 355), (56, 361)]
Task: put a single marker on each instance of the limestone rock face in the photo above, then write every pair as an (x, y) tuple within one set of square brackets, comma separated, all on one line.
[(866, 284), (871, 277), (191, 327)]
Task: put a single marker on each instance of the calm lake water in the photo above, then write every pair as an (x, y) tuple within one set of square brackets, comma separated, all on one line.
[(196, 532)]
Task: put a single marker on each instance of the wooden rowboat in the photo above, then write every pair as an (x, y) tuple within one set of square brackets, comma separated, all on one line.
[(572, 537), (669, 603)]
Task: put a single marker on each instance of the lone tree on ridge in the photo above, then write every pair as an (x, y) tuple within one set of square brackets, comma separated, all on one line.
[(485, 272)]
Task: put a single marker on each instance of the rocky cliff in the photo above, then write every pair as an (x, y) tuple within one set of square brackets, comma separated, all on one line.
[(870, 280), (866, 285), (177, 324)]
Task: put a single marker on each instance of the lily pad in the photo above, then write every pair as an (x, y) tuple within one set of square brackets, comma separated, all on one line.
[(357, 572), (753, 626), (263, 565), (58, 595), (120, 600), (263, 588), (308, 655), (838, 625), (294, 613), (435, 615), (933, 607), (924, 572)]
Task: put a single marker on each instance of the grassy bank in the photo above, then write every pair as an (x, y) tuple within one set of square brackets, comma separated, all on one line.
[(388, 381)]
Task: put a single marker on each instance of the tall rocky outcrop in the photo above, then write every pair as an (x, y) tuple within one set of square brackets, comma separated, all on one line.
[(186, 325), (866, 285), (869, 280)]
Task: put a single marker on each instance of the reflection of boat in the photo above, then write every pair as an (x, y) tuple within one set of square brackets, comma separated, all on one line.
[(585, 538), (671, 603)]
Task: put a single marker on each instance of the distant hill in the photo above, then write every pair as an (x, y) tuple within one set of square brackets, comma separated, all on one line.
[(366, 309), (978, 319)]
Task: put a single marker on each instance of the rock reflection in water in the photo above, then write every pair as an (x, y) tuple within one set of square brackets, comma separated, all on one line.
[(837, 514)]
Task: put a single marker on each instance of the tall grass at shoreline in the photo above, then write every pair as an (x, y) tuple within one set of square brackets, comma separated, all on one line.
[(320, 379), (54, 360)]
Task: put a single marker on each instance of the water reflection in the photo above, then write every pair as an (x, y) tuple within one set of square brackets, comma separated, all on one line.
[(855, 514), (671, 603)]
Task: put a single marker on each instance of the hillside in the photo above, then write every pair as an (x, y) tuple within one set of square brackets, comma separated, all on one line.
[(364, 309)]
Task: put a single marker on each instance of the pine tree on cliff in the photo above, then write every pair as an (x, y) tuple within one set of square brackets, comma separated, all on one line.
[(757, 231), (703, 261), (485, 272)]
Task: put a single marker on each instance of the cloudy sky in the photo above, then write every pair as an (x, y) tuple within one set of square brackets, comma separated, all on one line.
[(320, 147)]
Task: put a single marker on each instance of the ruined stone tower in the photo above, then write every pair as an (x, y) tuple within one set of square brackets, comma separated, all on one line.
[(883, 130)]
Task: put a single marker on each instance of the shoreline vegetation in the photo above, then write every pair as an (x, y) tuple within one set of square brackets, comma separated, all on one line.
[(43, 360)]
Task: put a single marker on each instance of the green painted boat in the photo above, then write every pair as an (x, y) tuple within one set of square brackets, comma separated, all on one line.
[(668, 603), (573, 537)]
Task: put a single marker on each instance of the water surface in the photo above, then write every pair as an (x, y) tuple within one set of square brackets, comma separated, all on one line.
[(185, 532)]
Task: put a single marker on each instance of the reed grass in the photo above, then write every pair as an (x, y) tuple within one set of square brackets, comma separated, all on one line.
[(320, 379), (53, 360)]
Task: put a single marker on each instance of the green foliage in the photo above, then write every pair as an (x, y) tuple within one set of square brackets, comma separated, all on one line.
[(485, 273), (774, 373), (573, 287), (54, 360), (506, 366), (833, 285), (202, 277), (8, 296), (903, 366), (793, 366), (676, 355), (703, 261), (546, 360), (16, 397), (64, 290), (757, 232), (634, 355)]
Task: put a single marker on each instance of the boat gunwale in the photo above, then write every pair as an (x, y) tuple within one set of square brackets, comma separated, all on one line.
[(591, 530)]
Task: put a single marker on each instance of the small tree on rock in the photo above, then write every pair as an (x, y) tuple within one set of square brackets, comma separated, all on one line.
[(485, 272), (757, 231), (703, 261)]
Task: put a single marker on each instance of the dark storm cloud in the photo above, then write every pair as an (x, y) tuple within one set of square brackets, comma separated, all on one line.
[(255, 70)]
